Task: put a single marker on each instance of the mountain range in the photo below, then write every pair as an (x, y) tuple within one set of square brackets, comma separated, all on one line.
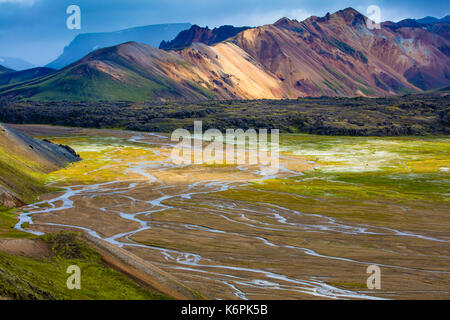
[(433, 20), (334, 55)]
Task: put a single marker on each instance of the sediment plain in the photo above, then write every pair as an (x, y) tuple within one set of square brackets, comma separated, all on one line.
[(336, 206)]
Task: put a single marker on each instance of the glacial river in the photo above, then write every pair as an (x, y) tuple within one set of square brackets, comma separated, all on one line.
[(337, 206)]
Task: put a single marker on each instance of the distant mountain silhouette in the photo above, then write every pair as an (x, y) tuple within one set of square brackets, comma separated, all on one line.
[(5, 70), (85, 43), (432, 20), (15, 63)]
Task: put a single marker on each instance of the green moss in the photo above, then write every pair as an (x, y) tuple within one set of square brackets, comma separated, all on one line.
[(8, 220), (348, 285), (27, 278)]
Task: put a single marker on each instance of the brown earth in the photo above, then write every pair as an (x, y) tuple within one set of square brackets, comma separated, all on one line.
[(31, 248)]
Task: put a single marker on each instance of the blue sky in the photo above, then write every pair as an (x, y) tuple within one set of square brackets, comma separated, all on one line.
[(35, 30)]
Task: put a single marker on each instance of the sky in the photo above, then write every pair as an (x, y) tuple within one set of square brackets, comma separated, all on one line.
[(36, 30)]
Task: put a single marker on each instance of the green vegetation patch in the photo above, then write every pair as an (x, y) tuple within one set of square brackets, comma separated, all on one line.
[(8, 220), (27, 278)]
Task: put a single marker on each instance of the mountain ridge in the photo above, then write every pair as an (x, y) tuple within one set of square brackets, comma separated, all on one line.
[(334, 55), (24, 75), (85, 43), (204, 35), (5, 70)]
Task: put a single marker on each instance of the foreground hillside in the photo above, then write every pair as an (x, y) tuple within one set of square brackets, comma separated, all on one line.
[(35, 267), (336, 55), (24, 161)]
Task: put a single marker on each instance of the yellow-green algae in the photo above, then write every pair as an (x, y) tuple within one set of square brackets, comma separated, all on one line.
[(27, 278), (362, 179)]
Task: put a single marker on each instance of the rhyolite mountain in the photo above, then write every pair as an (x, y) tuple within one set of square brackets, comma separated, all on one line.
[(334, 55), (85, 43), (203, 35)]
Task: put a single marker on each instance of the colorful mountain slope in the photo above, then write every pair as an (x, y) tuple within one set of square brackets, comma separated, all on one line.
[(335, 55), (203, 35)]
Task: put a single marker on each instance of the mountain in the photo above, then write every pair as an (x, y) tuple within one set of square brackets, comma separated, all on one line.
[(130, 71), (438, 26), (427, 20), (23, 161), (203, 35), (4, 70), (25, 75), (83, 44), (15, 63), (335, 55), (432, 20), (406, 23)]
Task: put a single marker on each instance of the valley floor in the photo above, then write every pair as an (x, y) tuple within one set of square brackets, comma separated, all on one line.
[(337, 206)]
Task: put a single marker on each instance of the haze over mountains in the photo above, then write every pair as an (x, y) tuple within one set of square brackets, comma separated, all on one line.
[(433, 20), (335, 55), (5, 70), (87, 42), (15, 63)]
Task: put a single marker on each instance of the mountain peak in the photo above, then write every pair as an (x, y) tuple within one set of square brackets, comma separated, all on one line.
[(284, 22), (204, 35), (350, 15)]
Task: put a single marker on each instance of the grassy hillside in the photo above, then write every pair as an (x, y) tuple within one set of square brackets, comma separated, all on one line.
[(25, 75), (45, 278), (24, 165), (130, 72)]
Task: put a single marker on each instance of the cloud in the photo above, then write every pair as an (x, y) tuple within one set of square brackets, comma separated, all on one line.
[(21, 2)]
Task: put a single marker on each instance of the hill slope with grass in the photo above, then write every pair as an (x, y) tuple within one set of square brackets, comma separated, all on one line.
[(24, 163), (39, 272), (131, 71), (25, 75)]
